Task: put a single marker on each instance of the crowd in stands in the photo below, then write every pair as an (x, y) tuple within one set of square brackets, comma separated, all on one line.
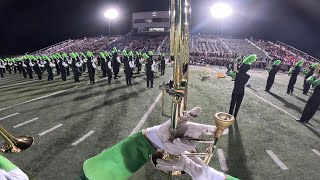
[(204, 48)]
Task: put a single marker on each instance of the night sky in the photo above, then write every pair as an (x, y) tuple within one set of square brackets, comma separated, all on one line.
[(28, 25)]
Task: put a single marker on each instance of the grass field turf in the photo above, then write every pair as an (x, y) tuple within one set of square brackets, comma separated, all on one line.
[(113, 112)]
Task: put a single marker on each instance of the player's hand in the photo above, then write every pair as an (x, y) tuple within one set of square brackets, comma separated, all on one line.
[(160, 135), (193, 166)]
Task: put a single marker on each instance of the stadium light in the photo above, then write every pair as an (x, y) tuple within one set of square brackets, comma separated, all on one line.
[(110, 15), (221, 10)]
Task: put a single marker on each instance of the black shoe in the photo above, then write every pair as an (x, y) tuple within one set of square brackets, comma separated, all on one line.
[(300, 121)]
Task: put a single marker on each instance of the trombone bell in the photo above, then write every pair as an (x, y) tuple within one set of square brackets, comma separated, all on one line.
[(18, 144)]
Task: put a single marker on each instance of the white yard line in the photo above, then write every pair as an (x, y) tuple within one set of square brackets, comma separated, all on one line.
[(82, 138), (8, 116), (42, 97), (51, 129), (21, 124), (35, 99), (289, 114), (10, 85), (277, 160), (222, 160), (146, 115), (316, 151)]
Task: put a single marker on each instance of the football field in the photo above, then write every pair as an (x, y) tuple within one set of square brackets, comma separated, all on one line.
[(72, 122)]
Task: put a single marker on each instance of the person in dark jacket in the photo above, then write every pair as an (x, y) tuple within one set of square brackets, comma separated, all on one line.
[(294, 75), (37, 70), (313, 103), (137, 62), (272, 74), (108, 67), (63, 71), (115, 63), (162, 64), (149, 70), (127, 68), (29, 68), (75, 70), (102, 60), (241, 79), (91, 67), (306, 86)]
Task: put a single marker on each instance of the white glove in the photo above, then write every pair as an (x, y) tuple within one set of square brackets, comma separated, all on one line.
[(194, 167), (160, 135)]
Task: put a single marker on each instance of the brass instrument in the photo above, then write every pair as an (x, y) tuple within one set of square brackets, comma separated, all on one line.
[(177, 88), (15, 145)]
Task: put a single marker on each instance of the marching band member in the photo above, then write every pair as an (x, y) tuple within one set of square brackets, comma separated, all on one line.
[(272, 74), (91, 67), (79, 65), (75, 68), (149, 69), (241, 79), (29, 68), (115, 62), (37, 70), (24, 68), (131, 63), (49, 66), (9, 66), (102, 60), (63, 65), (123, 159), (137, 62), (306, 86), (294, 74), (108, 67), (127, 68), (162, 64), (1, 68), (313, 103)]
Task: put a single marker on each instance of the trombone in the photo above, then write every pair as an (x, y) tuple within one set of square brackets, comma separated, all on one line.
[(177, 88), (15, 145)]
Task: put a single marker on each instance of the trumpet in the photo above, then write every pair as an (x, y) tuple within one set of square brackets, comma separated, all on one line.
[(177, 88)]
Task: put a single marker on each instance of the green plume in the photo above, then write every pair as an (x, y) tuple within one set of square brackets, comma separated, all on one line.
[(277, 62), (115, 50), (250, 59), (299, 64), (124, 52), (150, 53), (102, 55), (314, 65), (145, 56), (131, 53)]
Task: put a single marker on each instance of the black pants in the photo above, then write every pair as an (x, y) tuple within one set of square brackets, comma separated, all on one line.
[(1, 73), (128, 77), (63, 75), (162, 71), (58, 71), (24, 73), (310, 109), (91, 76), (109, 74), (68, 71), (306, 87), (9, 69), (291, 84), (116, 71), (39, 75), (30, 74), (236, 101), (76, 76), (270, 82), (104, 72), (15, 69), (50, 75), (150, 79), (84, 67)]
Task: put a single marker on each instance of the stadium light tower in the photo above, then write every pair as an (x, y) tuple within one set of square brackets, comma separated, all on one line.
[(110, 15), (221, 10)]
